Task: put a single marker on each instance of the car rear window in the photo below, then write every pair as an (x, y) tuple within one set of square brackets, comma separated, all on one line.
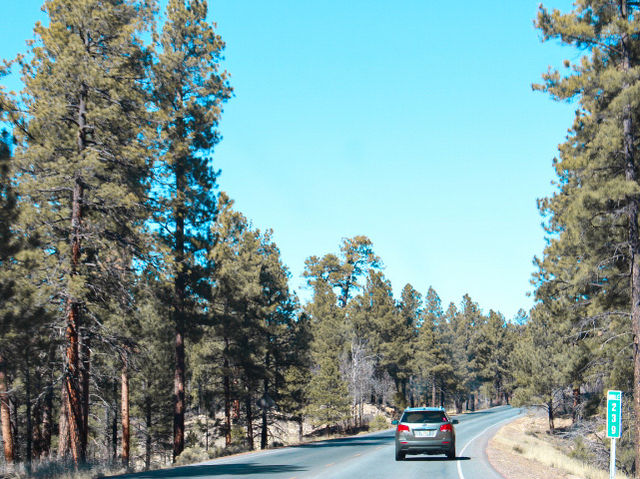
[(423, 416)]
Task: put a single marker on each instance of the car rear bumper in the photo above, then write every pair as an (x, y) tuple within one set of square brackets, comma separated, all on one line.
[(424, 447)]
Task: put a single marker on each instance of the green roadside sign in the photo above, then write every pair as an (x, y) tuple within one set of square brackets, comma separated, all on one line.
[(614, 403)]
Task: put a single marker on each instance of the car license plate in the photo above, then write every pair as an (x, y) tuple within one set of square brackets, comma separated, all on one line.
[(424, 433)]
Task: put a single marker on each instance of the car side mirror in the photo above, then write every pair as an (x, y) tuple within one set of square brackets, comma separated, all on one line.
[(395, 422), (454, 421)]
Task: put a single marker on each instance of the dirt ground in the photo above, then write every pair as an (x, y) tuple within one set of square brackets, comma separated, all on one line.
[(511, 465)]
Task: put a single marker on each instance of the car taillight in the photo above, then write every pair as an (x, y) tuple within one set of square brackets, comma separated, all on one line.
[(446, 427), (403, 427)]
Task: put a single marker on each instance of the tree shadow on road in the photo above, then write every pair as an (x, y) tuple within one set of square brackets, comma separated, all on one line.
[(482, 412), (349, 441), (244, 469)]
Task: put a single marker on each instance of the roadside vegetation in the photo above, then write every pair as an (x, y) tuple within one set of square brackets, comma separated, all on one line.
[(524, 448), (584, 331), (145, 321)]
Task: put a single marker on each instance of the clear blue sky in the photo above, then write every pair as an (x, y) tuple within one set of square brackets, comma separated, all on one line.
[(412, 122)]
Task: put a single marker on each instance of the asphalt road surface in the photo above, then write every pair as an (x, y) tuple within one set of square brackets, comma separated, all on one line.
[(368, 456)]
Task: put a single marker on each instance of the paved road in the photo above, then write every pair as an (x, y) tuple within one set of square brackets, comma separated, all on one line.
[(369, 456)]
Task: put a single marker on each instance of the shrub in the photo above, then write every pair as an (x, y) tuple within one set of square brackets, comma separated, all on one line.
[(238, 435), (194, 454), (379, 423), (579, 450)]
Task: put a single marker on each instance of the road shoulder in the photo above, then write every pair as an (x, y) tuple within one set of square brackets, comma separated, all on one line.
[(517, 454), (511, 465)]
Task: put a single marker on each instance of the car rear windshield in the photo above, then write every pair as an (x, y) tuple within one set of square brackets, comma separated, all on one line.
[(424, 416)]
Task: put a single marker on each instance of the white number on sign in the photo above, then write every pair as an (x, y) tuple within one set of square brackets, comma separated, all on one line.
[(613, 430), (613, 418), (613, 406)]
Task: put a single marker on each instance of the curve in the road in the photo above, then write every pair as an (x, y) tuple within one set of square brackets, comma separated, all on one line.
[(485, 434)]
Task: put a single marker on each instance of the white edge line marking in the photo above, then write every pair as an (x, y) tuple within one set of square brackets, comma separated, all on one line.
[(460, 475)]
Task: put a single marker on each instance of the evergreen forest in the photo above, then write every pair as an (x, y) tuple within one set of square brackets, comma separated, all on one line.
[(145, 321)]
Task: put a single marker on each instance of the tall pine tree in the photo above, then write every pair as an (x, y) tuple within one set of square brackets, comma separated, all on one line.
[(83, 164), (593, 259), (8, 248), (189, 91)]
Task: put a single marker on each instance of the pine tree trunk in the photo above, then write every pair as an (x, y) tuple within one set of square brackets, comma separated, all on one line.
[(227, 411), (47, 425), (28, 437), (147, 434), (180, 291), (114, 424), (72, 376), (264, 431), (227, 397), (107, 427), (264, 438), (300, 428), (550, 414), (71, 394), (433, 393), (13, 414), (5, 415), (85, 349), (248, 409), (47, 416), (179, 406), (403, 390), (38, 414), (206, 431), (125, 412), (36, 430), (236, 408), (576, 403), (64, 446)]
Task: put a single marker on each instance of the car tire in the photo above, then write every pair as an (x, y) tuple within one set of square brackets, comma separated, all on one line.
[(400, 455), (451, 453)]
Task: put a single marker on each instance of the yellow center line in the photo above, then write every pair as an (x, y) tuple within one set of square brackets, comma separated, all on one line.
[(330, 464), (356, 455)]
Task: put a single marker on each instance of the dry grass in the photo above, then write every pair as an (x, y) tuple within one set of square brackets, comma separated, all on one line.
[(527, 438), (61, 470)]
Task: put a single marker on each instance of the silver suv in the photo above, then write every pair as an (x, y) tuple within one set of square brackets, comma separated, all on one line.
[(425, 430)]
